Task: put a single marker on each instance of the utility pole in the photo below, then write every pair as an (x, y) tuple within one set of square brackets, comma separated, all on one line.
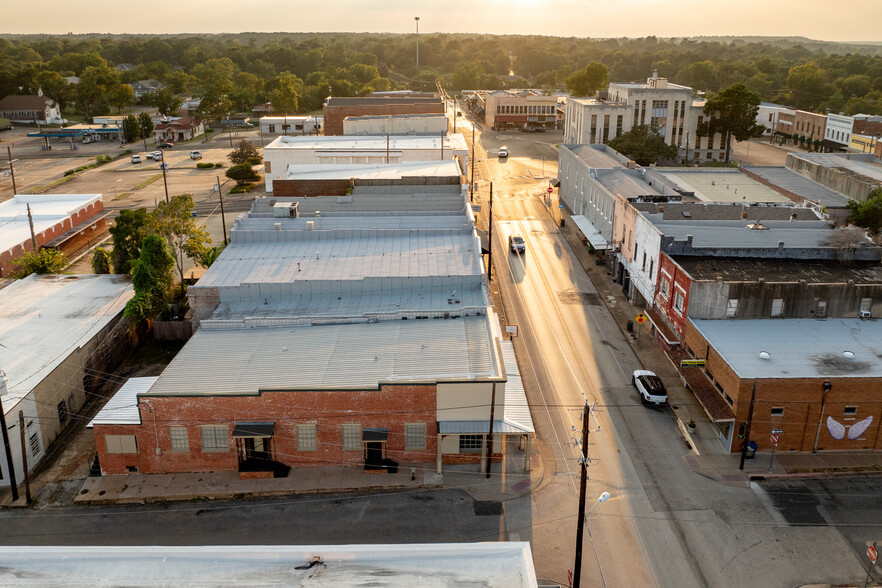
[(387, 149), (490, 435), (580, 529), (9, 465), (24, 457), (220, 195), (442, 145), (162, 165), (747, 429), (490, 237), (31, 223), (474, 163), (11, 169), (417, 19)]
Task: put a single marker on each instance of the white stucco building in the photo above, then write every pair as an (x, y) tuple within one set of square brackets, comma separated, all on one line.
[(839, 129)]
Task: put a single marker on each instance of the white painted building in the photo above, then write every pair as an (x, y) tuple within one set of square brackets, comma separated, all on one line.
[(768, 114), (339, 149), (397, 124), (839, 129), (273, 126)]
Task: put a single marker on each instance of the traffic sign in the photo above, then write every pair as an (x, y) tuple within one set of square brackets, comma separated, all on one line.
[(777, 431), (640, 318), (871, 553), (774, 439), (570, 576), (550, 189)]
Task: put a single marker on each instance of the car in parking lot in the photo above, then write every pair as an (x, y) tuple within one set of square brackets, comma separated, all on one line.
[(650, 387), (155, 155), (517, 244), (195, 155), (164, 146), (136, 159), (503, 151)]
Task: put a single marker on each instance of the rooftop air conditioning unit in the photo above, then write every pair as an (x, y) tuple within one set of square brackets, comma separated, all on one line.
[(865, 314), (277, 226), (310, 225), (294, 210), (318, 213)]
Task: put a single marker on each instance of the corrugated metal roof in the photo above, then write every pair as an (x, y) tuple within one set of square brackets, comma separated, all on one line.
[(47, 210), (712, 233), (369, 142), (342, 356), (373, 171), (500, 427), (591, 233), (517, 410), (723, 186), (122, 408), (801, 185)]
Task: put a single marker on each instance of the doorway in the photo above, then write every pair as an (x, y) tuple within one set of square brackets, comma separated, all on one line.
[(373, 454)]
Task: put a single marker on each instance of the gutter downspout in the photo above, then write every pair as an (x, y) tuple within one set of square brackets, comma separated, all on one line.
[(827, 387)]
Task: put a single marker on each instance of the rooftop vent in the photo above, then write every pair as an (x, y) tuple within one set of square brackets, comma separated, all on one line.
[(848, 354), (757, 226), (687, 214), (765, 355)]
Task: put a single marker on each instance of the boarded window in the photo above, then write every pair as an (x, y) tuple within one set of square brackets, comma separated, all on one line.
[(214, 438), (822, 308), (306, 437), (777, 307), (866, 303), (414, 436), (179, 439), (268, 167), (120, 443), (732, 308), (351, 437)]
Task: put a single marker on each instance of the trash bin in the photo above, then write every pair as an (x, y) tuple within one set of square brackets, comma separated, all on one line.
[(751, 449), (629, 326)]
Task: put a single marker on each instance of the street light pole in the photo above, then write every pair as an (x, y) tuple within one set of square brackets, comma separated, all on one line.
[(162, 165), (490, 237), (417, 19)]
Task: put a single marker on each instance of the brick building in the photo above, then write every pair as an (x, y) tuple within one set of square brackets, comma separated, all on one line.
[(313, 347), (816, 380), (337, 109), (520, 109), (61, 221)]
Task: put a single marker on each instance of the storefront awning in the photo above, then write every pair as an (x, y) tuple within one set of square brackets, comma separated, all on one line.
[(374, 434), (481, 428), (592, 234), (253, 429)]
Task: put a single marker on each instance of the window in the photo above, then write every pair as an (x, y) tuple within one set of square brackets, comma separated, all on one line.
[(214, 438), (272, 128), (850, 411), (777, 307), (178, 437), (866, 303), (822, 308), (351, 437), (678, 302), (651, 263), (666, 288), (306, 437), (636, 249), (470, 443), (414, 436), (62, 411), (114, 443), (777, 411), (732, 308), (643, 267)]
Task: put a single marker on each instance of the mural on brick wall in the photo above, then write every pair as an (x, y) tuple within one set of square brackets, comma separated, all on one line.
[(837, 429)]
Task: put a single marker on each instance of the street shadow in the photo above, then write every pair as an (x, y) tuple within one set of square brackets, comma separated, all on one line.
[(517, 265)]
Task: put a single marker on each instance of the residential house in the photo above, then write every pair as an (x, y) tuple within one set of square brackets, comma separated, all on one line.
[(181, 129), (142, 87), (125, 67), (37, 109)]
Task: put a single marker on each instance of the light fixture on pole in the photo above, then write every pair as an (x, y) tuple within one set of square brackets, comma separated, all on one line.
[(417, 19)]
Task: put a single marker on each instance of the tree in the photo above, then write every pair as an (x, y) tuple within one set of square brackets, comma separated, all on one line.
[(174, 221), (96, 83), (42, 261), (598, 76), (284, 97), (121, 95), (145, 127), (101, 261), (867, 214), (242, 173), (128, 232), (808, 85), (644, 145), (246, 152), (152, 279), (732, 112), (467, 75), (131, 128), (210, 255), (164, 100)]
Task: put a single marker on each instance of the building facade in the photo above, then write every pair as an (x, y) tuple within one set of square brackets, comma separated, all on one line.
[(337, 109), (31, 109), (520, 109)]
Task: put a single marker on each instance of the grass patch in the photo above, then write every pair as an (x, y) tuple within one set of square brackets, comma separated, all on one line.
[(38, 189), (156, 351), (123, 195), (243, 189), (147, 182)]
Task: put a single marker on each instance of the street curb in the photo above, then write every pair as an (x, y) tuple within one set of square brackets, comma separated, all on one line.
[(827, 474)]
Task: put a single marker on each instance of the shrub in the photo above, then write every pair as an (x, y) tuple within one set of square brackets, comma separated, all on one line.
[(242, 173), (70, 172), (218, 165), (243, 189), (201, 165), (254, 160)]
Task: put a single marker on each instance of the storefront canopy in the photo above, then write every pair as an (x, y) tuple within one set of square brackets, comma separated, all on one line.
[(592, 234), (253, 429)]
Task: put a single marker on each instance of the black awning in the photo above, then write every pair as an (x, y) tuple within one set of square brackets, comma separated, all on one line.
[(253, 429), (374, 434)]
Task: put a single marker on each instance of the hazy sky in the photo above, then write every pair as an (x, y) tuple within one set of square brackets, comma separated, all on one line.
[(857, 20)]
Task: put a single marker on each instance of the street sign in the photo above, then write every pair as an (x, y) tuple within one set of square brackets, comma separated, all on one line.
[(691, 363), (777, 431), (550, 189), (774, 438), (640, 318), (871, 553), (570, 576)]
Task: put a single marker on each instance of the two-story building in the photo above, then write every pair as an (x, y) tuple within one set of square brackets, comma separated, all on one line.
[(519, 109)]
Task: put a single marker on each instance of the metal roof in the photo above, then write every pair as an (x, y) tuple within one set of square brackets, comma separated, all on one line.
[(517, 410), (340, 356), (44, 319), (722, 186), (593, 156), (797, 348), (591, 233), (799, 184), (394, 171), (369, 142), (863, 164), (722, 233), (122, 408), (47, 210), (627, 184)]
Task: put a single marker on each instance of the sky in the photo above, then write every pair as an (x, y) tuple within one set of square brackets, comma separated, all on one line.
[(577, 18)]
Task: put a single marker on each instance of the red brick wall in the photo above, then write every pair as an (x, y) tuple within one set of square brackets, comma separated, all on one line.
[(665, 306), (299, 188), (334, 115), (48, 235), (390, 407)]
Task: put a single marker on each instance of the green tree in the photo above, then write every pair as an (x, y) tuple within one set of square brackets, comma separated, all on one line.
[(152, 278), (164, 100), (121, 95), (210, 255), (245, 152), (128, 232), (242, 173), (43, 261), (598, 76), (101, 261), (808, 85), (644, 145), (284, 97), (732, 112), (467, 75), (131, 128), (174, 221), (867, 214), (93, 91)]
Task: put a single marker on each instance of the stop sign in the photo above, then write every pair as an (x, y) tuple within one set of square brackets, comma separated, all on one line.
[(871, 553), (550, 189)]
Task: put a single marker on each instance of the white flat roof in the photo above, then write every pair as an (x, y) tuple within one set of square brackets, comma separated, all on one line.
[(217, 362), (508, 564), (43, 319), (392, 171), (722, 186), (369, 142), (47, 210), (122, 408), (797, 348)]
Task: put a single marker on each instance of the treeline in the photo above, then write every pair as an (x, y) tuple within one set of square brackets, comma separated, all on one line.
[(297, 71)]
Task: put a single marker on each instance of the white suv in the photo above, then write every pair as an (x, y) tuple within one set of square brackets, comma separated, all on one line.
[(195, 155), (651, 388)]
